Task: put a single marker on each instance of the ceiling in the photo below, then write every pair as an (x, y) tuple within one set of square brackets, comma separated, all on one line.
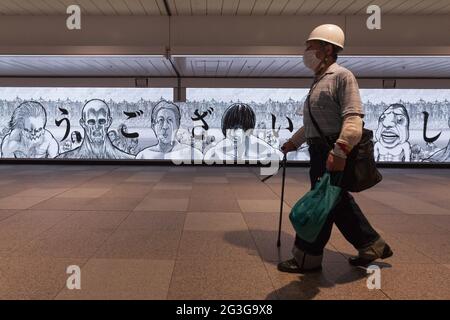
[(371, 67), (216, 66), (155, 66), (224, 7)]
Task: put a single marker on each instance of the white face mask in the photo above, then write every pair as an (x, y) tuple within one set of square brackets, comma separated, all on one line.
[(310, 60)]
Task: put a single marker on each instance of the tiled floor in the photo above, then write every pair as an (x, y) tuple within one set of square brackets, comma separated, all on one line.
[(145, 232)]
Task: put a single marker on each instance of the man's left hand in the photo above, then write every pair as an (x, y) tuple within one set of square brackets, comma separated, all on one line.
[(335, 163)]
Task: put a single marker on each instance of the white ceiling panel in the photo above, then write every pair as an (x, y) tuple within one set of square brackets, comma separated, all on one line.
[(245, 7), (292, 7), (217, 66), (401, 7), (230, 7), (180, 7), (339, 7), (87, 6), (223, 7), (214, 7), (152, 7), (59, 66), (198, 7), (276, 7), (381, 3), (357, 6), (323, 6), (421, 6), (362, 66)]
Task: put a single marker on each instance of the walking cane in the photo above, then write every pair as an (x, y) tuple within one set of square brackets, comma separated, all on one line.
[(282, 200), (283, 164)]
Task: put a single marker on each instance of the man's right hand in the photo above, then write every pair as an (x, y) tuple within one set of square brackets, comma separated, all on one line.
[(288, 146)]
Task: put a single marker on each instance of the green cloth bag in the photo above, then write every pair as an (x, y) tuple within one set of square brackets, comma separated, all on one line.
[(310, 212)]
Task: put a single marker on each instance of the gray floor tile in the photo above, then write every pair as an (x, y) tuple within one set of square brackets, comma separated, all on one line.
[(140, 244), (157, 232), (124, 279), (235, 279)]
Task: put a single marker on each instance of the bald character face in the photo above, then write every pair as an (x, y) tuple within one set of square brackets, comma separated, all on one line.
[(95, 121), (393, 127), (165, 126)]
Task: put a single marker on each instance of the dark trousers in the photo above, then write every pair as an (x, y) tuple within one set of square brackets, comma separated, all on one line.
[(347, 215)]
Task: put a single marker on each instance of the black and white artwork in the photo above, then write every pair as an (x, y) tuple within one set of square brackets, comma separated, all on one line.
[(239, 141), (166, 124), (26, 135), (214, 125), (96, 120), (392, 135), (409, 125)]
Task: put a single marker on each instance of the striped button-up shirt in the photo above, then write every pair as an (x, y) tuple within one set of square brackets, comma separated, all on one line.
[(332, 96)]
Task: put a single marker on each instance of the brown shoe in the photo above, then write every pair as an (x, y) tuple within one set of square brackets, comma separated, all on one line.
[(291, 266), (361, 261)]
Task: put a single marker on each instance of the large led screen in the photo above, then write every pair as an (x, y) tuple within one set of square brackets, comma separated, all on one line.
[(213, 125)]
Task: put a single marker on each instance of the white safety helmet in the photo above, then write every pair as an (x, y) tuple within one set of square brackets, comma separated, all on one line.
[(329, 33)]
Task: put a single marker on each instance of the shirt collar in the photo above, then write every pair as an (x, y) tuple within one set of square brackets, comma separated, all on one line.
[(331, 69)]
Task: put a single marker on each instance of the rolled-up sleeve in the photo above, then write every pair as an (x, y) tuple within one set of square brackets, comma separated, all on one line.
[(348, 95), (299, 138)]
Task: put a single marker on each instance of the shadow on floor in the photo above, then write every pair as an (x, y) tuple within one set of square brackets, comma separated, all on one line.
[(264, 241), (305, 286), (308, 286)]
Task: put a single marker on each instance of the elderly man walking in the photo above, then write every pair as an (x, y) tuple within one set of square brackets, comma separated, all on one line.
[(334, 104)]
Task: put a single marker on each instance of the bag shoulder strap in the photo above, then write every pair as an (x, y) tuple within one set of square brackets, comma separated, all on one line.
[(313, 120)]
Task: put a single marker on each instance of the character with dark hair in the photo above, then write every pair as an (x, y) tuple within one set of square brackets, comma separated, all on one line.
[(28, 137), (238, 123), (165, 123), (95, 121), (238, 116), (392, 135), (76, 139)]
